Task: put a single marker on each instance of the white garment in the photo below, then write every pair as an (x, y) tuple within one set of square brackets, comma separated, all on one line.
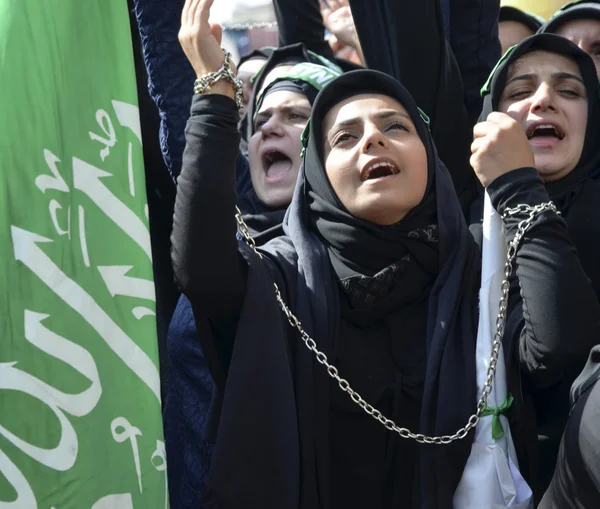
[(491, 479)]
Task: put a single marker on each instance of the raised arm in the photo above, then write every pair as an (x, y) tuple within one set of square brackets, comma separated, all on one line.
[(301, 21), (555, 316), (406, 39), (208, 268)]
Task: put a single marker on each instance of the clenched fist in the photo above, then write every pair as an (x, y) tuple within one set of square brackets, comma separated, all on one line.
[(500, 146)]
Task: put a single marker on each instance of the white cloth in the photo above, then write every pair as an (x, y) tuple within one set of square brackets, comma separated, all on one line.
[(491, 479)]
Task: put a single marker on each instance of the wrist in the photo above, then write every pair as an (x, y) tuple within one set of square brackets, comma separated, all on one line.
[(222, 87)]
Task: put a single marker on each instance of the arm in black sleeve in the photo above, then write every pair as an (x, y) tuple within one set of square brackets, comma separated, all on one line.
[(560, 313), (406, 39), (475, 44), (301, 21), (207, 265)]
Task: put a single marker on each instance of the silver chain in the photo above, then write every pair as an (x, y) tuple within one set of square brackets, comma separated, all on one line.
[(225, 72), (344, 385), (251, 26)]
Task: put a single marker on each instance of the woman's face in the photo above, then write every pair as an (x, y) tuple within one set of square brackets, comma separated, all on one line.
[(511, 33), (546, 93), (245, 73), (586, 34), (374, 158), (275, 147)]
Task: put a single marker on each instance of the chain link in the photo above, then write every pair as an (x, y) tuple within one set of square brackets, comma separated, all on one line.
[(251, 26), (344, 385), (225, 72)]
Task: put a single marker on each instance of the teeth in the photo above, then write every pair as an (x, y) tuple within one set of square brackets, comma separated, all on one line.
[(391, 167), (545, 126)]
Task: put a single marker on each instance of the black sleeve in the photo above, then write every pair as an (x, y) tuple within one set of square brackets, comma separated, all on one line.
[(301, 21), (208, 268), (558, 313), (475, 44), (576, 481), (406, 39)]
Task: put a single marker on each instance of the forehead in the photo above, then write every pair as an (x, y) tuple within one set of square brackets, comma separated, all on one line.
[(580, 29), (543, 63), (280, 70), (362, 106), (252, 66), (283, 99), (514, 28)]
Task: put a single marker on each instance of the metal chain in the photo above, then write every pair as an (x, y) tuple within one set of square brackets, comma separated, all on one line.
[(251, 26), (344, 385)]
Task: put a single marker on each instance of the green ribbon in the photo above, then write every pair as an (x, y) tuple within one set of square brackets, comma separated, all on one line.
[(497, 429)]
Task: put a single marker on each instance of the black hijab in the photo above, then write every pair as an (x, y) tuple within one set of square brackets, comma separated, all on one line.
[(258, 54), (264, 222), (571, 11), (576, 195), (273, 447)]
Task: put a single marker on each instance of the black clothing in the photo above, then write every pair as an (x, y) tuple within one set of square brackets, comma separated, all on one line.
[(576, 481), (569, 12), (302, 22), (576, 196), (286, 437), (260, 53), (264, 223), (476, 47)]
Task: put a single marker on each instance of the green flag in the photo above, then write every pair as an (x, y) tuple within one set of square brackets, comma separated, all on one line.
[(80, 414)]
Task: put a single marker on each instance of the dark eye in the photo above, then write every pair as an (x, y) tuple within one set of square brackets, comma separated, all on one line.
[(397, 125), (297, 116), (570, 93), (519, 94), (259, 123), (341, 138)]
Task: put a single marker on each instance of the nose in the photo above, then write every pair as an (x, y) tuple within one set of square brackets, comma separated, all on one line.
[(373, 137), (543, 99), (272, 127)]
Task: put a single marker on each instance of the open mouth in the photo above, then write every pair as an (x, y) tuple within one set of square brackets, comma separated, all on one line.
[(544, 131), (379, 170), (276, 164)]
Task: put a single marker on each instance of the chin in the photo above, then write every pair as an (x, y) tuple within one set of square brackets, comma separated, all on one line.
[(277, 197)]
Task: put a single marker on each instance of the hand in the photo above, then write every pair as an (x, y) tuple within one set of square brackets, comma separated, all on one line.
[(200, 40), (500, 146), (337, 18)]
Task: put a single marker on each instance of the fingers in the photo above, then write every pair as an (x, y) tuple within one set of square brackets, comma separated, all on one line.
[(202, 12), (185, 11), (217, 31), (481, 129), (477, 144)]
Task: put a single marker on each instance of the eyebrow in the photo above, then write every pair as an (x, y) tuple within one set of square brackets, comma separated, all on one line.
[(555, 75), (284, 109), (380, 115)]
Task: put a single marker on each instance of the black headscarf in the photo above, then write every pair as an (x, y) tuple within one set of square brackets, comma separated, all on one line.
[(576, 195), (257, 54), (286, 55), (573, 10), (264, 222), (531, 21), (448, 269)]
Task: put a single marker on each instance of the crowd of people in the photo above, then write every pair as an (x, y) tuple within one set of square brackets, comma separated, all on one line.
[(326, 241)]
